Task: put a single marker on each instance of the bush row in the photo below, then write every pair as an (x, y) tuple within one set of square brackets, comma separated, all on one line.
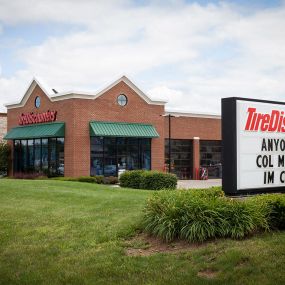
[(199, 215), (99, 179), (150, 180)]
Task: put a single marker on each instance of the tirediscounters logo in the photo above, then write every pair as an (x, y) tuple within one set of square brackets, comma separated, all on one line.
[(260, 140), (273, 122), (32, 118)]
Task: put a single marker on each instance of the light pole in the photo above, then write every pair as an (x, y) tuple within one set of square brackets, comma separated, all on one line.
[(169, 138), (169, 142)]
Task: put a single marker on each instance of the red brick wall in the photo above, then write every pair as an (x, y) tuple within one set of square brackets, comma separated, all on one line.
[(77, 113), (64, 110), (189, 127), (3, 125), (105, 108)]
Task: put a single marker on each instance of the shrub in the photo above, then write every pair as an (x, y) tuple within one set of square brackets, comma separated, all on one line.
[(4, 157), (110, 180), (202, 220), (131, 179), (65, 178), (99, 179), (87, 179), (150, 180), (213, 192), (196, 215), (274, 207), (181, 214), (163, 213), (154, 180), (241, 217), (277, 215), (90, 179), (21, 175)]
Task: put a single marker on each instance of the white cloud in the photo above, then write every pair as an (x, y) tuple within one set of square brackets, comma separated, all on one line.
[(211, 51)]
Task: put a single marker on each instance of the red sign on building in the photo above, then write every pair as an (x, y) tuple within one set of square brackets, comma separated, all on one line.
[(31, 118)]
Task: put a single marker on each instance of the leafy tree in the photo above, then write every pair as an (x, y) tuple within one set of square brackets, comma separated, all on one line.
[(4, 157)]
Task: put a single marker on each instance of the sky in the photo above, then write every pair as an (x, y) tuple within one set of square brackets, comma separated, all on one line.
[(190, 53)]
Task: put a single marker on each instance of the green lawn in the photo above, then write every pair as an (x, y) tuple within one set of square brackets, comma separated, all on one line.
[(55, 232)]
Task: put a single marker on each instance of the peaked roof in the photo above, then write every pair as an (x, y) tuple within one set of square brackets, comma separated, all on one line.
[(81, 95)]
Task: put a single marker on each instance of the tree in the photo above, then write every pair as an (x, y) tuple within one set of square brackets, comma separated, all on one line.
[(4, 157)]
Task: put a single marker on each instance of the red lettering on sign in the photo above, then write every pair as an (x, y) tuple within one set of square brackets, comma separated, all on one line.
[(273, 122), (31, 118)]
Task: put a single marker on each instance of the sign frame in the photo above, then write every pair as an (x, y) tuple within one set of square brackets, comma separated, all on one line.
[(229, 149)]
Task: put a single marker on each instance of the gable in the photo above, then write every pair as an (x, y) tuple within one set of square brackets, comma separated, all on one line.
[(33, 85), (83, 95)]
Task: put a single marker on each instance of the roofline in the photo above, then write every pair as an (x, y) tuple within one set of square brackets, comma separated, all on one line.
[(81, 95), (193, 115)]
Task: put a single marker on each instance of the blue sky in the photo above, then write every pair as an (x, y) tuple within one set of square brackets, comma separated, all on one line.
[(191, 53)]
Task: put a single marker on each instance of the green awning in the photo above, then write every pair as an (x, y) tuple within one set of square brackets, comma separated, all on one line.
[(115, 129), (37, 131)]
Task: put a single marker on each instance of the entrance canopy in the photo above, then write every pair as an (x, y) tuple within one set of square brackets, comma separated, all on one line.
[(56, 129), (118, 129)]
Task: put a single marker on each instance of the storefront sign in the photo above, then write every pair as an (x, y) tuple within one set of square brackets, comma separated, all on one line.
[(32, 118), (253, 133)]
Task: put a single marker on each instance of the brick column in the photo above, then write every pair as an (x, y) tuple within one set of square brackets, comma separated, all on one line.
[(196, 157)]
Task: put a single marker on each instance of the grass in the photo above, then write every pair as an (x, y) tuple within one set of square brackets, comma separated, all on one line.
[(55, 232)]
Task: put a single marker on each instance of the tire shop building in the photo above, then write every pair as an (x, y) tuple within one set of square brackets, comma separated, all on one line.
[(120, 128)]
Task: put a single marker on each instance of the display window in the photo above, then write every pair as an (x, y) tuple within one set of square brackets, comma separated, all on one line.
[(40, 156), (111, 156)]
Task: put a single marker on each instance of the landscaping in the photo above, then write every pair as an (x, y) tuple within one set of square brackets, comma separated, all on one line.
[(146, 179), (198, 215), (61, 232)]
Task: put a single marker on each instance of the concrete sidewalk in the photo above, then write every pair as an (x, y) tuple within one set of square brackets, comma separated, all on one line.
[(199, 183)]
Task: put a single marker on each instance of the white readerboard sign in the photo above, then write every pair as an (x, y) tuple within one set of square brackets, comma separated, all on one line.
[(260, 135)]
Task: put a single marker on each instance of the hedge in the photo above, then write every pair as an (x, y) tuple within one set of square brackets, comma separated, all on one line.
[(99, 179), (131, 179), (150, 180), (195, 216)]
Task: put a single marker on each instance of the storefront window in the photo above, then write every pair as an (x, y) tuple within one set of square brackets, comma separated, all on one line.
[(210, 157), (23, 158), (44, 156), (110, 155), (110, 161), (52, 155), (17, 156), (30, 156), (180, 161), (60, 155), (97, 156), (37, 161), (145, 154)]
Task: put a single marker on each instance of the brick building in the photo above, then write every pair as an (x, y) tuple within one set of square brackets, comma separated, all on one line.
[(119, 128), (3, 125)]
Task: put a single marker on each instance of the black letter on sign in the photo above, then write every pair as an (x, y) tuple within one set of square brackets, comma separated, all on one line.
[(268, 177), (263, 146), (281, 161), (282, 176), (257, 161)]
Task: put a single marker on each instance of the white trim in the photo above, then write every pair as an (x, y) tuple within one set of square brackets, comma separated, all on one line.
[(81, 95), (27, 94), (194, 115)]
